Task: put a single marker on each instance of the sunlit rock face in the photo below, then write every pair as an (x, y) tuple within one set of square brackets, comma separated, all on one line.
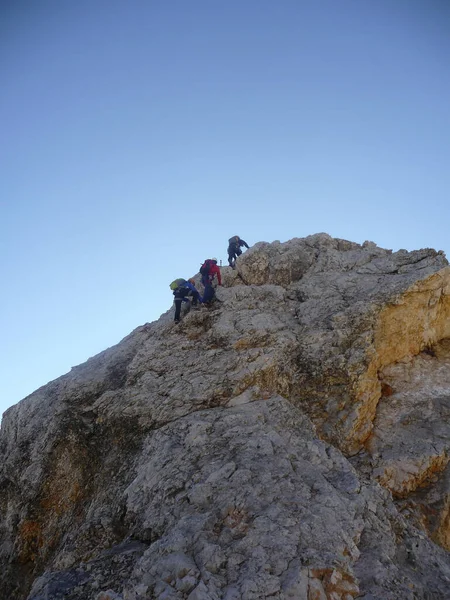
[(290, 442)]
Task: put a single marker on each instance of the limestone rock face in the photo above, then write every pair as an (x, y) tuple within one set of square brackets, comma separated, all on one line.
[(290, 442)]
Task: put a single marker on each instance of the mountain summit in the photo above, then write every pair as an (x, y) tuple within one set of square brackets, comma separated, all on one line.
[(290, 442)]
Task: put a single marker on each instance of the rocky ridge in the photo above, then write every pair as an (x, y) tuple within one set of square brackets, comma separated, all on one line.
[(291, 442)]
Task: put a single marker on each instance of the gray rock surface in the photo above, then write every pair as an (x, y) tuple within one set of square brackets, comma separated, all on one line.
[(289, 442)]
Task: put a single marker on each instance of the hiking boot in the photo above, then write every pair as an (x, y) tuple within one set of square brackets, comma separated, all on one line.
[(177, 321)]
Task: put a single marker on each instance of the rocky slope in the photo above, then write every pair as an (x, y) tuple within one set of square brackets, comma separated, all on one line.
[(292, 442)]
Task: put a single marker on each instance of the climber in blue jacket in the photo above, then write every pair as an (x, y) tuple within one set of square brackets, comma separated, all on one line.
[(181, 292)]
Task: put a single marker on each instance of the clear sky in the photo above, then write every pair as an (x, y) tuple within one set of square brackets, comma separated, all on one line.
[(137, 136)]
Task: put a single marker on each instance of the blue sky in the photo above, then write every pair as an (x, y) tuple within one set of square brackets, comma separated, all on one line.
[(137, 137)]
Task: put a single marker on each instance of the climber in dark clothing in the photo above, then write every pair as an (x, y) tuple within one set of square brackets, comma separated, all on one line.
[(181, 292), (234, 249)]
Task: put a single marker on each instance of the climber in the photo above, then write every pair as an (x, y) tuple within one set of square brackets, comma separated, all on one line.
[(234, 249), (181, 289), (208, 271)]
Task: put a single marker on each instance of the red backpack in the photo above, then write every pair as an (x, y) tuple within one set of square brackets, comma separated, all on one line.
[(206, 267)]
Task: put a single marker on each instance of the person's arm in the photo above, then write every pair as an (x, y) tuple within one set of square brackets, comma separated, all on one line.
[(243, 243), (195, 292)]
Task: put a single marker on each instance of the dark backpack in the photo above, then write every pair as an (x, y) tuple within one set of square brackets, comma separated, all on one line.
[(233, 240), (205, 268)]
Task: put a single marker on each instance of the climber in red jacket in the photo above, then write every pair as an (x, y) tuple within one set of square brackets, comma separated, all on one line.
[(208, 271)]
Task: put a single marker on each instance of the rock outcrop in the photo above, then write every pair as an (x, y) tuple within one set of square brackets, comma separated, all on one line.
[(291, 442)]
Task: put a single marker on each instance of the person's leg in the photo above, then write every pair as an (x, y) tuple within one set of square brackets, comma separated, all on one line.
[(209, 294), (177, 309), (230, 255), (192, 298), (187, 305), (196, 298)]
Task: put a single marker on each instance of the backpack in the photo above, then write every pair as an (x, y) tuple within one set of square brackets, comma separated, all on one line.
[(177, 283), (233, 240), (205, 268)]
